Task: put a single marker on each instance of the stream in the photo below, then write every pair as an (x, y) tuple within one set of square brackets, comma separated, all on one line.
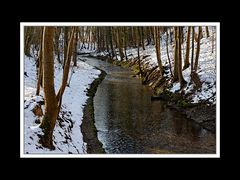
[(128, 122)]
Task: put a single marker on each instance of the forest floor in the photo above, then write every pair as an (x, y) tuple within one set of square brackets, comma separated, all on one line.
[(67, 136), (197, 99)]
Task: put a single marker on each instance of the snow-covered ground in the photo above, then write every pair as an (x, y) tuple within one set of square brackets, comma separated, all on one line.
[(206, 66), (67, 133)]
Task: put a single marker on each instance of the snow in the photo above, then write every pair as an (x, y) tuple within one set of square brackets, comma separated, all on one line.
[(67, 134)]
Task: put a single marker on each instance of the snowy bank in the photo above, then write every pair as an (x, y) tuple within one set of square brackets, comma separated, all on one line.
[(67, 134)]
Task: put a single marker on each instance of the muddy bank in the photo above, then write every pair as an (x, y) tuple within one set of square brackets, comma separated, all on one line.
[(88, 129)]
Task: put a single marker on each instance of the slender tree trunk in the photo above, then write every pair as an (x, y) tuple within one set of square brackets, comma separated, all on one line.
[(120, 44), (152, 32), (170, 66), (111, 41), (65, 44), (66, 70), (180, 75), (186, 61), (50, 115), (125, 41), (56, 45), (75, 49), (193, 33), (142, 38), (158, 51), (198, 48), (138, 40), (40, 71), (175, 74), (207, 31)]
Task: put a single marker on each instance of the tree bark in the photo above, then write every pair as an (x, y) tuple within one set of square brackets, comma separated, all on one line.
[(138, 51), (207, 31), (65, 44), (193, 32), (186, 61), (170, 66), (175, 72), (180, 75), (111, 41), (40, 71), (66, 70), (158, 51), (50, 115), (198, 48), (75, 49), (120, 43)]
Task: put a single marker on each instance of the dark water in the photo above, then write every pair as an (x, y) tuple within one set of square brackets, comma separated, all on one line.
[(129, 122)]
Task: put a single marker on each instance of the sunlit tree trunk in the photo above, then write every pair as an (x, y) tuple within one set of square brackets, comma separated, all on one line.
[(50, 115)]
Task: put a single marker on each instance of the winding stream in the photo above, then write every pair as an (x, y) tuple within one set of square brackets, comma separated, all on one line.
[(128, 122)]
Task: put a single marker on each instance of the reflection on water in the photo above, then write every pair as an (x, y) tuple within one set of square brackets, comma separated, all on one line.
[(129, 122)]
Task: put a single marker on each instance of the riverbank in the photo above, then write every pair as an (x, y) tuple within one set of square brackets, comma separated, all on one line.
[(67, 135), (88, 129)]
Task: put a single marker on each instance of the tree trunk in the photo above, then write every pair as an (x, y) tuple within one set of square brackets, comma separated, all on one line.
[(120, 44), (40, 71), (75, 49), (138, 51), (65, 44), (142, 38), (50, 115), (180, 75), (198, 48), (170, 66), (193, 32), (186, 61), (207, 31), (125, 42), (158, 51), (56, 45), (111, 41), (66, 70), (175, 73)]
